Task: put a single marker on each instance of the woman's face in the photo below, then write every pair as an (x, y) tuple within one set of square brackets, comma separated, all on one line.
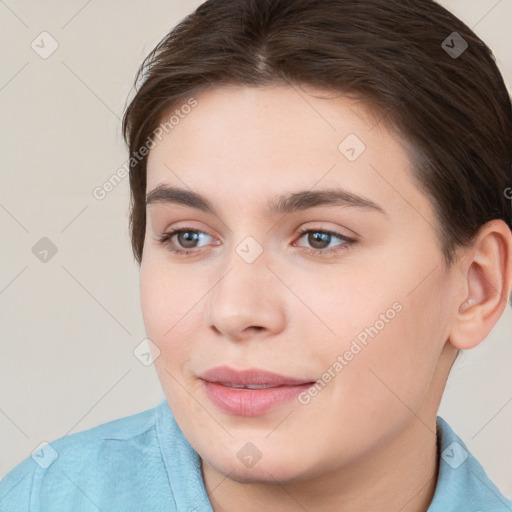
[(364, 312)]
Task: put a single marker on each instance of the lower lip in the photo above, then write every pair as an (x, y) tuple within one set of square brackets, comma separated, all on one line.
[(251, 402)]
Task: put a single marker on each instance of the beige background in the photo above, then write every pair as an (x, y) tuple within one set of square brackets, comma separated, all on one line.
[(70, 325)]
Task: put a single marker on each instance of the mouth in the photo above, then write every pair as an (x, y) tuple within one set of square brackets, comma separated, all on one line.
[(246, 386), (252, 392)]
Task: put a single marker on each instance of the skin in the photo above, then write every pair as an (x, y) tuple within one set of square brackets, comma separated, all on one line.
[(369, 436)]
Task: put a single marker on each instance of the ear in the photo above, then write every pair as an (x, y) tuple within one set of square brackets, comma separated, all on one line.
[(486, 272)]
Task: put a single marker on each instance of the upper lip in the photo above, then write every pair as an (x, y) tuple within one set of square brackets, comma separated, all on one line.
[(251, 376)]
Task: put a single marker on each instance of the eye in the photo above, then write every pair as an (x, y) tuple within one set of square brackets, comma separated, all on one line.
[(186, 239), (320, 240)]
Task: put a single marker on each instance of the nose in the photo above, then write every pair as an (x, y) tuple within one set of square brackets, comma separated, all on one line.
[(247, 301)]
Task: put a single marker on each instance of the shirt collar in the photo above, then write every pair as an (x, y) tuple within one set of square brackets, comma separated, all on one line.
[(462, 482)]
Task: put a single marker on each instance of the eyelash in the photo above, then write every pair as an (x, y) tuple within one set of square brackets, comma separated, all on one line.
[(166, 237)]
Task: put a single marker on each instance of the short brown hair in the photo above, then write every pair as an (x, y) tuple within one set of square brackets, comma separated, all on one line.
[(454, 110)]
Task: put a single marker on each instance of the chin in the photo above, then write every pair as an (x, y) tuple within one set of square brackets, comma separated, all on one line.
[(264, 471)]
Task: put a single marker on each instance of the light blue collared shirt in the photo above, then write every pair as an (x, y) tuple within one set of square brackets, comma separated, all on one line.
[(144, 462)]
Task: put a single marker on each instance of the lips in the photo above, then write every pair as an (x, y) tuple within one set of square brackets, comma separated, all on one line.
[(250, 392), (248, 378)]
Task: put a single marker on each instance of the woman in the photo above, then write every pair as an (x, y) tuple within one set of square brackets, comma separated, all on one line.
[(320, 214)]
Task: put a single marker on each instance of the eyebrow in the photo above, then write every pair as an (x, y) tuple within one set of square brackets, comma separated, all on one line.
[(288, 203)]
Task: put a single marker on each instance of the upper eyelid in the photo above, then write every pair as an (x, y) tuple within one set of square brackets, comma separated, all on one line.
[(173, 231)]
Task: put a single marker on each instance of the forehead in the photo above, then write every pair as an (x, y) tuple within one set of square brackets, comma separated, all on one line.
[(248, 143), (268, 122)]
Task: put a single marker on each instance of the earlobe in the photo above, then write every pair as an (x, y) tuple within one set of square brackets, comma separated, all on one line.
[(487, 272)]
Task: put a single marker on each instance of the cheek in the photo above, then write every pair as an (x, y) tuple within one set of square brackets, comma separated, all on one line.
[(388, 334), (168, 311), (154, 301), (169, 320), (347, 307), (395, 370), (166, 297)]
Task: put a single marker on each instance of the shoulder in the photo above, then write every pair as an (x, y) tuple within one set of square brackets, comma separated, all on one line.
[(77, 468), (462, 480)]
